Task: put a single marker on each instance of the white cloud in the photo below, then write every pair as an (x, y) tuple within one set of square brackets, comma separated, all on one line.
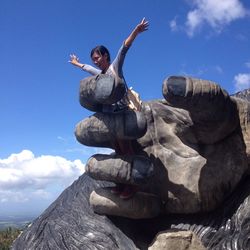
[(194, 21), (23, 175), (173, 25), (242, 81), (247, 64), (11, 196), (216, 14)]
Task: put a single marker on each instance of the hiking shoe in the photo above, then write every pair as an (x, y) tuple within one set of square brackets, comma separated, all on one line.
[(128, 192)]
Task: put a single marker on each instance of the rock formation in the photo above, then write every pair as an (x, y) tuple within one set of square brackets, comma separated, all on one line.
[(188, 156), (181, 240), (181, 149)]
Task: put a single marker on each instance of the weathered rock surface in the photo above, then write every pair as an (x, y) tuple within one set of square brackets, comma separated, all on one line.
[(140, 206), (244, 94), (188, 142), (70, 223), (176, 240), (196, 150)]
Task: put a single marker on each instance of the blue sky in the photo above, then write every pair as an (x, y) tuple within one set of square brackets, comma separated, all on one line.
[(39, 105)]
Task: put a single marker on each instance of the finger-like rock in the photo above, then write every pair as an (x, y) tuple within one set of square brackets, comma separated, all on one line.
[(244, 116), (101, 89), (140, 206), (181, 90), (100, 130), (211, 108), (120, 169)]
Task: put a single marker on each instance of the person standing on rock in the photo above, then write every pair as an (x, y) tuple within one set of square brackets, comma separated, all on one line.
[(101, 58)]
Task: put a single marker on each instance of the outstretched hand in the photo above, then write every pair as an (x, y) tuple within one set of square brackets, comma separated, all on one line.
[(75, 60), (142, 26)]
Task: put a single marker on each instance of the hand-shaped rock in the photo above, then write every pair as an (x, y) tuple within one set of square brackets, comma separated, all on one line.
[(187, 152)]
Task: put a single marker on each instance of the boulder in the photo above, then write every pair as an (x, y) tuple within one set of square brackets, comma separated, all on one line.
[(188, 156), (176, 240)]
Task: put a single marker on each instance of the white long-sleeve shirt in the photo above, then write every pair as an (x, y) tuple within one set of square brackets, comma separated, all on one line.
[(115, 69)]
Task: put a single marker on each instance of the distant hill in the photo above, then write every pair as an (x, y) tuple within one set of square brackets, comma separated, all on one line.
[(244, 94), (15, 222)]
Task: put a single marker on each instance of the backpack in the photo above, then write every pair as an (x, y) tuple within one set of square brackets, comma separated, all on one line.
[(133, 99)]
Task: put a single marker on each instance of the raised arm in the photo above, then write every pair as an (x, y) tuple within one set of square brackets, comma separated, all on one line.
[(75, 61), (141, 27)]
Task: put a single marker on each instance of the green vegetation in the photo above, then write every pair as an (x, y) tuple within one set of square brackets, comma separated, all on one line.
[(7, 236)]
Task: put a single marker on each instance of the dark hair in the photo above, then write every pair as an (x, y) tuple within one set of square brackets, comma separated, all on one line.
[(100, 50)]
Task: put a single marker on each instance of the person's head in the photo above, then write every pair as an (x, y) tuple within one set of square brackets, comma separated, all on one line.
[(100, 57)]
